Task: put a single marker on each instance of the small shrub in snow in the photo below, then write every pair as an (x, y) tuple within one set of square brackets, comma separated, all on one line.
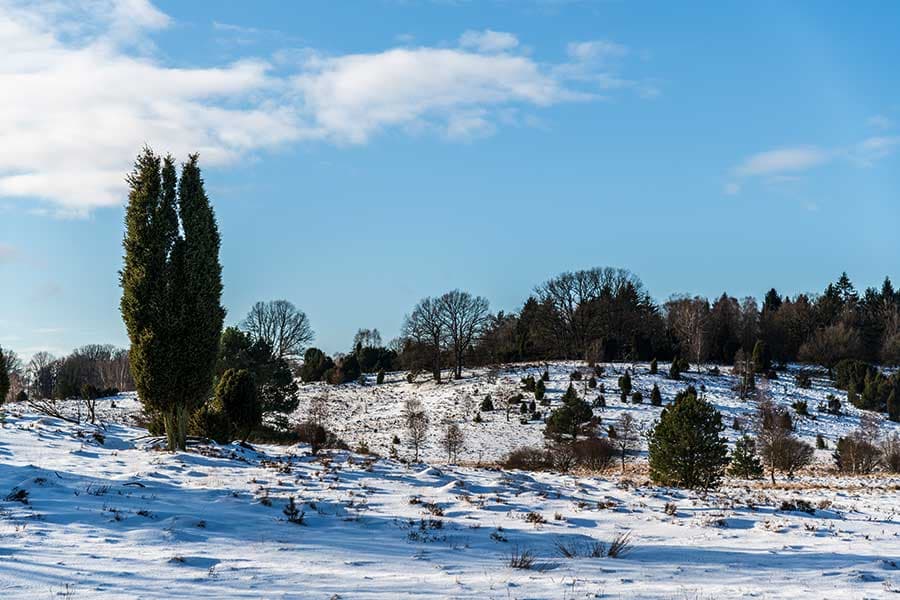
[(821, 444), (856, 454), (521, 559), (487, 405), (539, 390), (801, 407), (575, 375), (637, 398), (803, 380), (535, 518), (379, 379), (654, 367), (592, 382)]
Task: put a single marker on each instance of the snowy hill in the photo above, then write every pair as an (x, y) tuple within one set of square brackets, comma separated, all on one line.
[(91, 512)]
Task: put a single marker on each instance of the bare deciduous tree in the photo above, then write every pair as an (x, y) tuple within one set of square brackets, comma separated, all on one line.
[(628, 436), (281, 325), (416, 422), (453, 441), (367, 338), (463, 316), (779, 449), (426, 327), (688, 317)]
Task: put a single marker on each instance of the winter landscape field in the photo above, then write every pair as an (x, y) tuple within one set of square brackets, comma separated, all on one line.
[(449, 299), (102, 510)]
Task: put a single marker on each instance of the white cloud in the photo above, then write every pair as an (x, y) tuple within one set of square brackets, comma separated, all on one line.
[(872, 149), (781, 161), (488, 40), (595, 50), (82, 89), (732, 189)]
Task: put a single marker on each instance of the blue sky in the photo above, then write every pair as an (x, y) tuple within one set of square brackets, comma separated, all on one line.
[(362, 155)]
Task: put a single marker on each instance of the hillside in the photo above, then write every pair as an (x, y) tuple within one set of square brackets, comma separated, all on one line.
[(100, 512)]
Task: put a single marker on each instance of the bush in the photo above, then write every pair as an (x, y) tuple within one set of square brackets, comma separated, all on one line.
[(599, 402), (594, 453), (674, 370), (686, 448), (801, 407), (22, 396), (890, 452), (803, 380), (745, 463), (833, 405), (237, 395), (654, 367), (566, 419), (856, 454), (379, 379), (315, 364), (575, 375), (526, 459), (345, 370), (637, 398), (821, 444), (592, 382), (539, 390), (625, 384), (528, 383), (545, 376), (487, 405), (209, 421), (655, 396), (851, 371)]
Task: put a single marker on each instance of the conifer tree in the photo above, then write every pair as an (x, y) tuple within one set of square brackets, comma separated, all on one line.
[(745, 464), (686, 448), (655, 396), (237, 394), (4, 377), (761, 360), (539, 390), (171, 290), (654, 367)]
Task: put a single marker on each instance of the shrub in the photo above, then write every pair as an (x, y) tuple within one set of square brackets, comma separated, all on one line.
[(526, 459), (293, 514), (778, 447), (801, 407), (637, 398), (545, 376), (674, 370), (890, 452), (521, 559), (850, 371), (594, 453), (566, 419), (592, 382), (22, 396), (821, 444), (237, 395), (833, 405), (599, 402), (528, 383), (745, 463), (379, 379), (655, 396), (856, 454), (803, 380), (654, 367), (477, 418), (686, 448), (625, 384), (575, 375), (539, 390), (487, 405), (315, 364)]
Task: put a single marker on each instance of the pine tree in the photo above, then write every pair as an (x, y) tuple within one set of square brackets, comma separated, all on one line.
[(655, 396), (171, 290), (686, 448), (745, 463), (675, 370), (654, 367), (539, 390), (566, 419)]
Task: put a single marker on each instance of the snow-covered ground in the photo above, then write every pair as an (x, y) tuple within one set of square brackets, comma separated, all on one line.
[(99, 513)]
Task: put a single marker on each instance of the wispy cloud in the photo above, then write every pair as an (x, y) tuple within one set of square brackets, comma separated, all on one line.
[(488, 40), (880, 122), (781, 161), (82, 90)]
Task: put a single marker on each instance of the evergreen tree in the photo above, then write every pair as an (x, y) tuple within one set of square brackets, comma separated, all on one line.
[(654, 367), (566, 419), (237, 394), (171, 290), (745, 463), (686, 448), (675, 370), (655, 396), (4, 377), (539, 390), (625, 384)]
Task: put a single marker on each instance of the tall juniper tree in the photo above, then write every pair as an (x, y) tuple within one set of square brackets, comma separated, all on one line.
[(171, 289)]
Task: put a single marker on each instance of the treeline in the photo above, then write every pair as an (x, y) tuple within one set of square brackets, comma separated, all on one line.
[(91, 371)]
